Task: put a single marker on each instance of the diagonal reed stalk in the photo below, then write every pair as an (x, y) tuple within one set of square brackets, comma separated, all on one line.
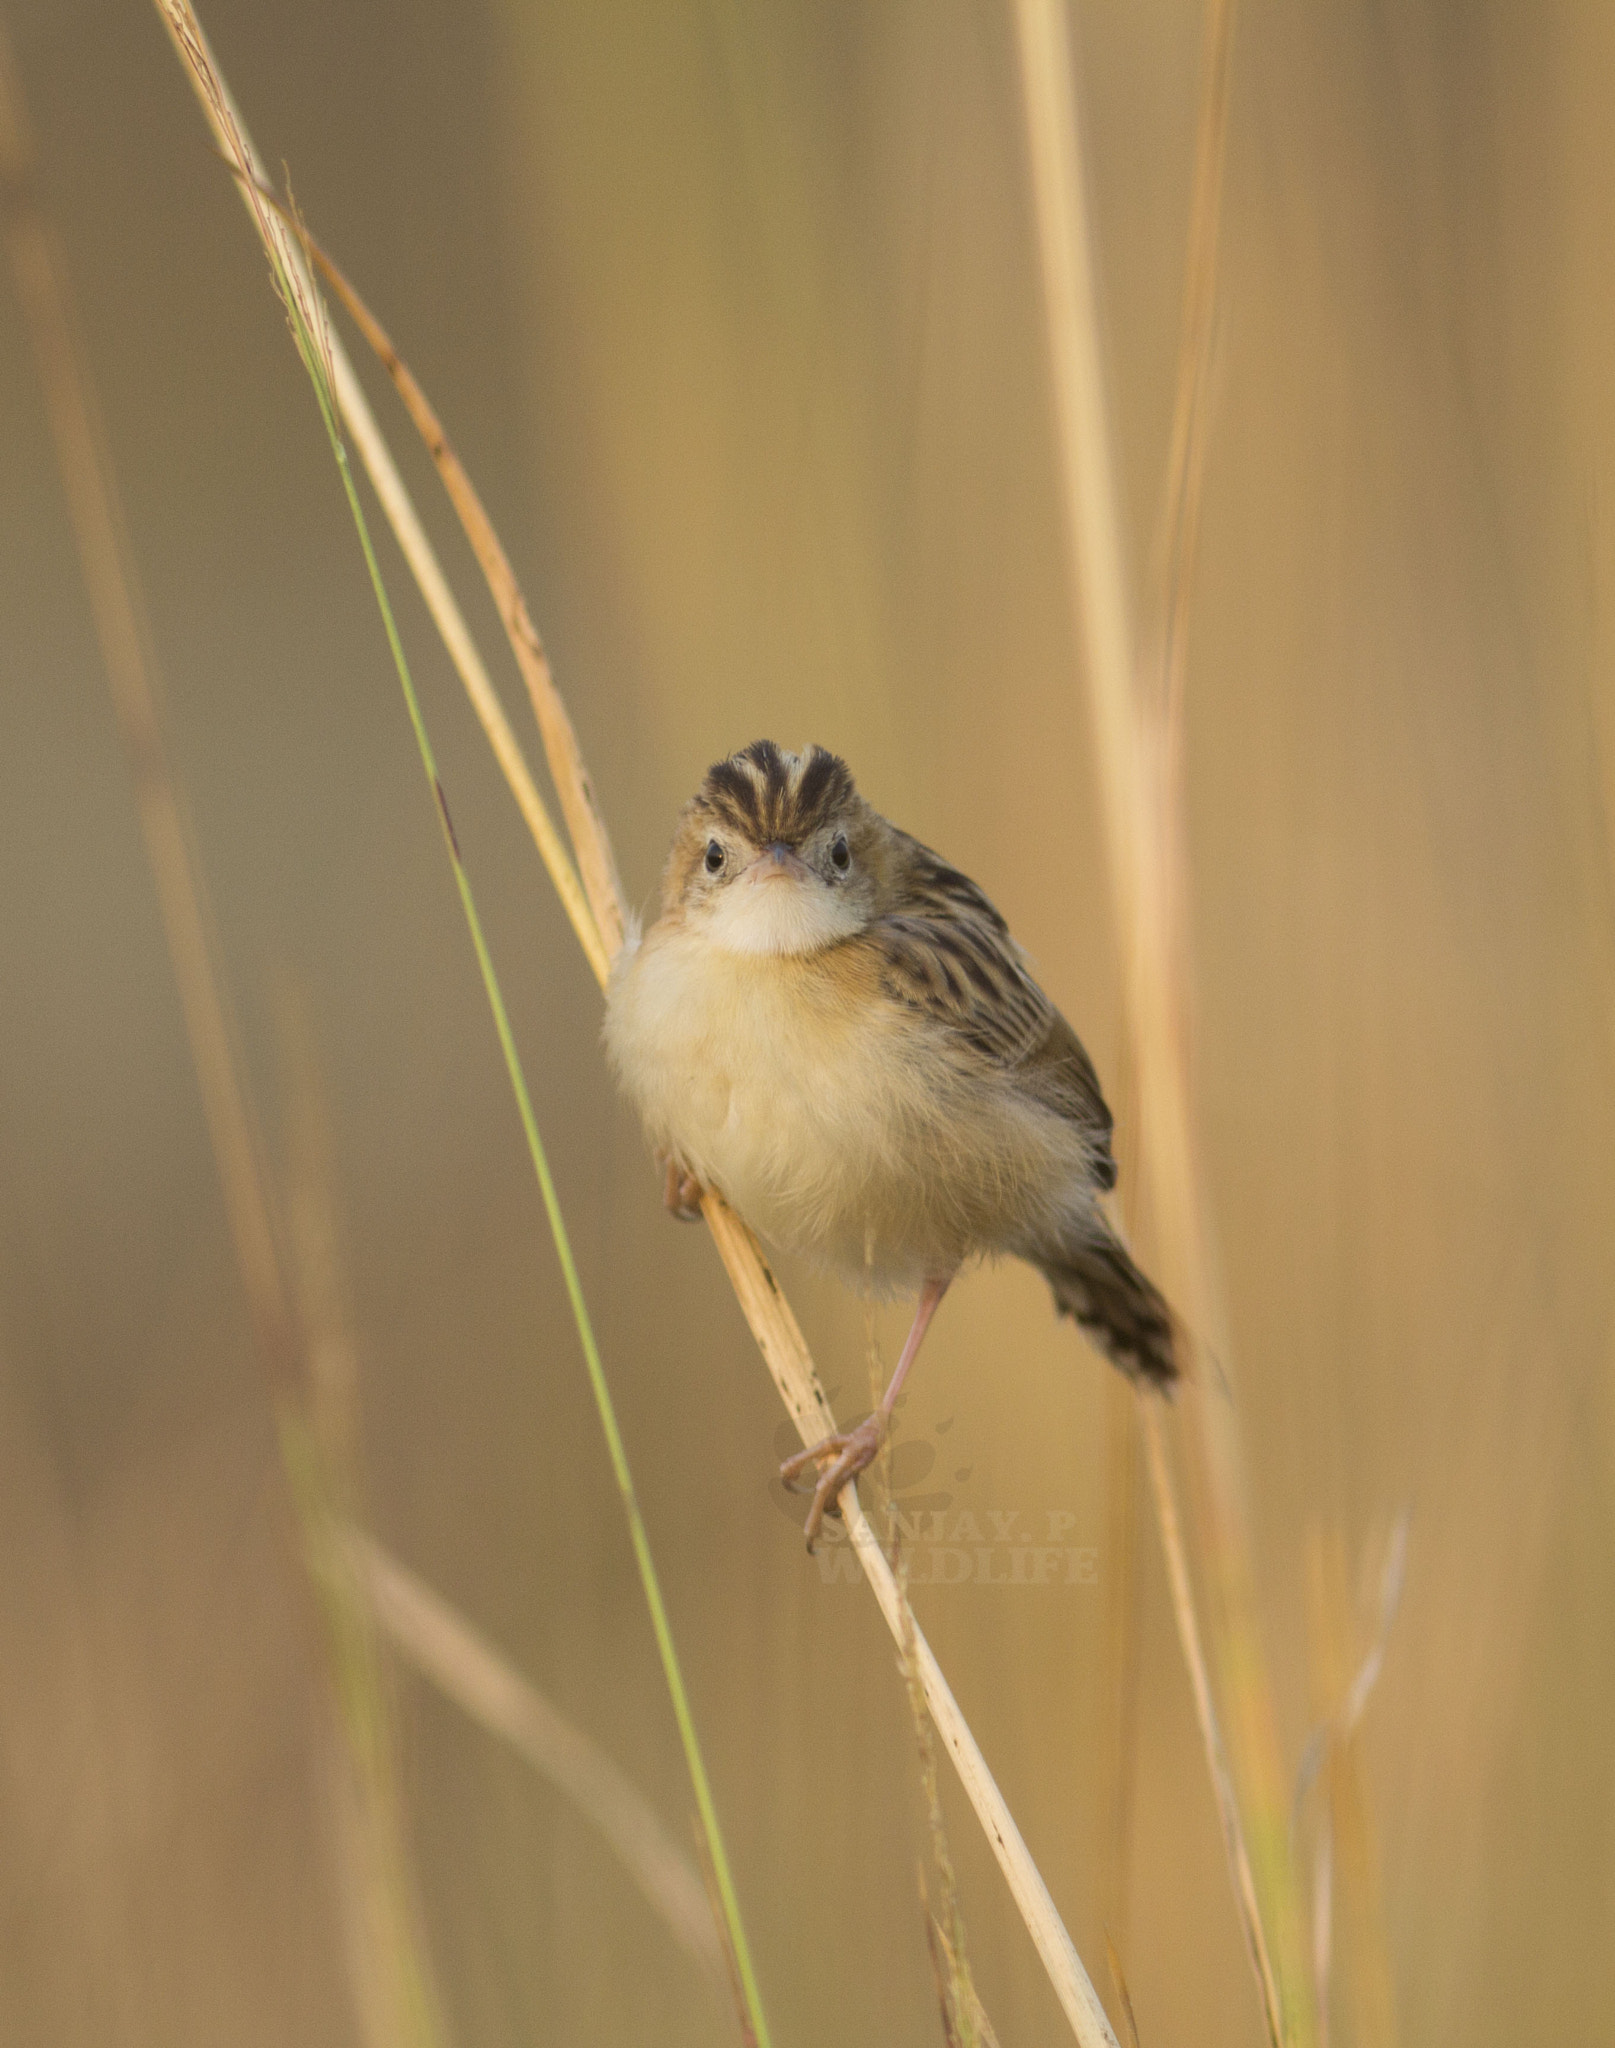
[(306, 317), (772, 1323), (1138, 728), (945, 1933), (388, 1957)]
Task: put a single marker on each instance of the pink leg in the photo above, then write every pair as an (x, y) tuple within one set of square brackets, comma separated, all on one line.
[(930, 1301), (843, 1456)]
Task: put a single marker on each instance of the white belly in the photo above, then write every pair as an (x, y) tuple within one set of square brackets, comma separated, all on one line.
[(837, 1127)]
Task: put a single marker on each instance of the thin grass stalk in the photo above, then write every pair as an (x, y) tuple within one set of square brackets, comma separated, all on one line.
[(319, 1436), (235, 145), (1346, 1859), (440, 1644), (1323, 1925), (791, 1367), (731, 1965), (390, 1966), (1191, 408), (617, 1451), (1122, 1649), (956, 1987), (1222, 1779), (942, 1960), (106, 559), (579, 804), (940, 1974), (1124, 1997), (396, 1994), (1217, 1464), (313, 343), (419, 1624), (1139, 738), (1123, 1581), (1327, 1656)]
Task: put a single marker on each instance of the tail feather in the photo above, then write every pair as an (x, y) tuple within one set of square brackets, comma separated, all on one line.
[(1095, 1281)]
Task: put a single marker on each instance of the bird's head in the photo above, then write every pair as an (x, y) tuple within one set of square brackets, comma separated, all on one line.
[(775, 853)]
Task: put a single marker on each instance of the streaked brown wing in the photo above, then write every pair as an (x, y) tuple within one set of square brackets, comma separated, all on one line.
[(1061, 1074), (946, 951)]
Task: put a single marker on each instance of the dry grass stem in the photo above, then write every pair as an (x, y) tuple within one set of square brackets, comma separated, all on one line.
[(465, 1667), (579, 804), (1083, 442), (939, 1969), (370, 1593), (1345, 1856), (388, 1962), (283, 246), (388, 1959), (303, 1343), (1124, 1998), (775, 1329), (107, 563), (1222, 1781), (942, 1964), (1123, 1581), (235, 144), (945, 1931), (734, 1977), (1137, 750), (383, 1921), (1186, 461), (1121, 1651), (790, 1365)]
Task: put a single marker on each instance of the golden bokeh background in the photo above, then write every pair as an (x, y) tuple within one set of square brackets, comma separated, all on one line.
[(734, 314)]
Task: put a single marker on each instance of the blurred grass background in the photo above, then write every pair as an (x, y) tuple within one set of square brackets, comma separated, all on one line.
[(733, 313)]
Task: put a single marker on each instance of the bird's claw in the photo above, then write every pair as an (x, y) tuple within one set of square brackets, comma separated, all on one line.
[(839, 1458), (681, 1193)]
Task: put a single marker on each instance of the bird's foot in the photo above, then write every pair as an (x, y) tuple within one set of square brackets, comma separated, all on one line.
[(839, 1458), (681, 1193)]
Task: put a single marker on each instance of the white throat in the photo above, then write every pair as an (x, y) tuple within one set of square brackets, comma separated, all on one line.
[(780, 915)]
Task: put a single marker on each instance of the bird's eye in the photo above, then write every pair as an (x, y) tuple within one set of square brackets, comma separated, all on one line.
[(714, 856), (841, 854)]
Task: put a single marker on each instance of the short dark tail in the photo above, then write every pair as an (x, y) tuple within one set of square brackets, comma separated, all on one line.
[(1095, 1280)]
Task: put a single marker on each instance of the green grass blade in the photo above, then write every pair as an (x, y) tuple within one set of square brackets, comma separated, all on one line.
[(309, 344)]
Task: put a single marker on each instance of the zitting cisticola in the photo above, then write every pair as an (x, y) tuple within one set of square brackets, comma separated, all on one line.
[(834, 1029)]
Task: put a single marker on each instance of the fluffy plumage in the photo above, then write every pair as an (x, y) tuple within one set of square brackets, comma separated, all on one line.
[(834, 1028)]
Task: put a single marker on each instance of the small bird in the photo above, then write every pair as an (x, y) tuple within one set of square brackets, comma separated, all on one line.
[(832, 1028)]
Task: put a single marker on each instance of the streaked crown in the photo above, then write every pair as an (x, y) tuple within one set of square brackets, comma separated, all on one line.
[(772, 796)]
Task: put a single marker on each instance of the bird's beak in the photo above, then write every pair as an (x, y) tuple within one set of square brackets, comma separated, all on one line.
[(777, 861)]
